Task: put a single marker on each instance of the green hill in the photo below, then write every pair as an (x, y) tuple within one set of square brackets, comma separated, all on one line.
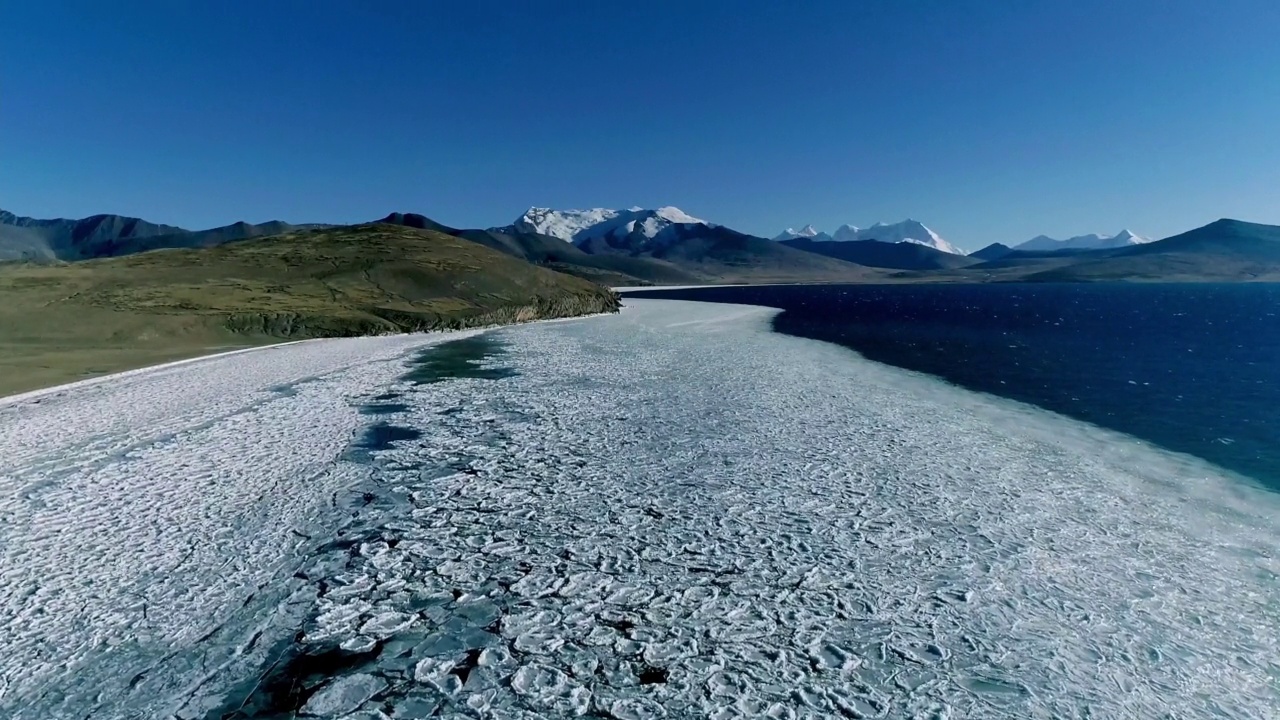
[(64, 322)]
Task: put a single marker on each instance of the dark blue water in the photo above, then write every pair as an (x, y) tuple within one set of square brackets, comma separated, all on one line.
[(1191, 367), (465, 358)]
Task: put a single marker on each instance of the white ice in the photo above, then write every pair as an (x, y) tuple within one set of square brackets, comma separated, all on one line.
[(786, 530), (138, 512), (731, 523)]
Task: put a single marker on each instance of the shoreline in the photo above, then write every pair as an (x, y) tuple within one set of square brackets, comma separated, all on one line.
[(38, 393), (890, 344), (1044, 423), (782, 464), (801, 503)]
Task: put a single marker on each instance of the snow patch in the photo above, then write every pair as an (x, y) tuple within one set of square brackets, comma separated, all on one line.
[(808, 231)]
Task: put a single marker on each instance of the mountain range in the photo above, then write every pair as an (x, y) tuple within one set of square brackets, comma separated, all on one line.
[(97, 236), (640, 246), (84, 297), (676, 239), (557, 254), (1092, 241), (633, 228), (880, 254), (907, 231), (670, 234), (1222, 250)]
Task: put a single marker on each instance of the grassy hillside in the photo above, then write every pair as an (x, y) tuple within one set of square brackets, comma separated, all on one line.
[(65, 322)]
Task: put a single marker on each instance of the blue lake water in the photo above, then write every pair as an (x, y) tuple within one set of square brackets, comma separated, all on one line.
[(1194, 368)]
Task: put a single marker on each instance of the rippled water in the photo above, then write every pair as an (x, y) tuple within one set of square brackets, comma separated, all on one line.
[(1192, 367)]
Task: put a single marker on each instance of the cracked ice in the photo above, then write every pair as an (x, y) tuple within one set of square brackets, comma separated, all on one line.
[(668, 513)]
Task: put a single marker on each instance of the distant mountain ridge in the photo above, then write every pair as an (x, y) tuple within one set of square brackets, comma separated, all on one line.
[(99, 236), (557, 254), (668, 246), (71, 239), (614, 247), (1223, 250), (680, 240), (909, 231), (994, 251), (1092, 241), (579, 226), (889, 255), (808, 232)]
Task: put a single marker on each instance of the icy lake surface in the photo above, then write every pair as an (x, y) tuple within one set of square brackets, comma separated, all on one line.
[(668, 513)]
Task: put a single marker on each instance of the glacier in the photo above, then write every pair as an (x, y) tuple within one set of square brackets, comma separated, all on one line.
[(729, 523)]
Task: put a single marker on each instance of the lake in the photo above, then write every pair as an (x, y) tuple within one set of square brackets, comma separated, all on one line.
[(1194, 368)]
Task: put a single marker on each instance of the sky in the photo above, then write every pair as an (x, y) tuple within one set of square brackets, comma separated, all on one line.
[(987, 121)]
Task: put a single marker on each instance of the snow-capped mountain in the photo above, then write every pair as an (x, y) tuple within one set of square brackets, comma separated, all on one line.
[(846, 233), (912, 231), (1092, 241), (580, 226), (808, 231)]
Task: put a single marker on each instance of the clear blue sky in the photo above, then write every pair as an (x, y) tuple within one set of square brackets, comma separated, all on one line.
[(987, 120)]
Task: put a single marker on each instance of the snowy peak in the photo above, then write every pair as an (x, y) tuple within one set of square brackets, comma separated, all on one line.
[(675, 215), (1092, 241), (578, 226), (808, 231), (846, 233), (562, 224), (912, 231)]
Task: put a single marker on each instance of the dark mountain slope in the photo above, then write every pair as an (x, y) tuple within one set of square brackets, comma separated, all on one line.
[(67, 239), (728, 256), (101, 236), (559, 255), (994, 251), (873, 253), (1219, 238), (197, 239), (414, 220), (1225, 250)]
